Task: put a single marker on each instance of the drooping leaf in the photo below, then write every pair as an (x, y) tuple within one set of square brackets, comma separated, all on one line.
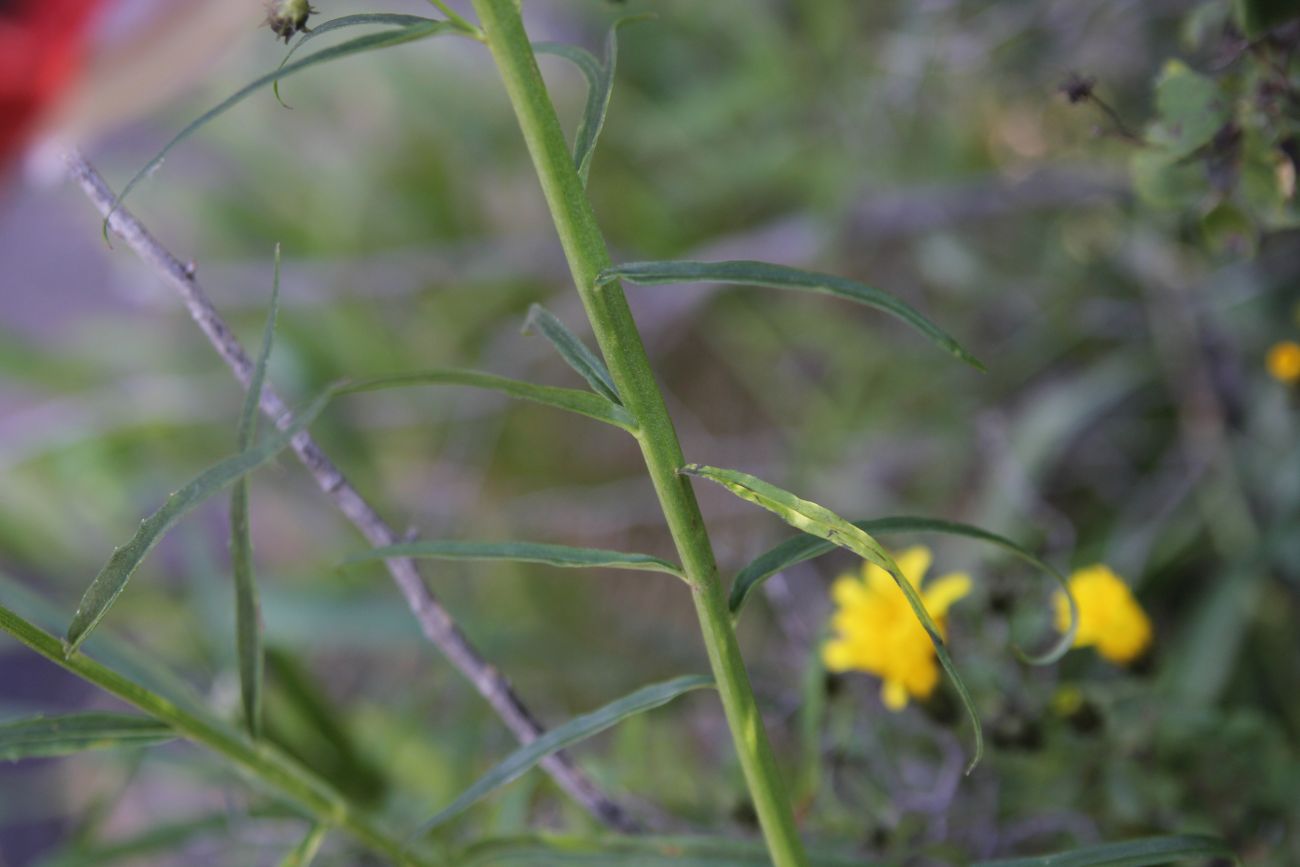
[(113, 578), (822, 522), (1146, 852), (305, 852), (248, 619), (577, 729), (750, 273), (526, 552), (369, 42), (807, 547), (46, 736), (600, 86), (379, 19), (575, 353), (563, 850)]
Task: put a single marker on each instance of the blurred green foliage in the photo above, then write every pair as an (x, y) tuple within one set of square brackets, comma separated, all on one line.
[(1123, 296)]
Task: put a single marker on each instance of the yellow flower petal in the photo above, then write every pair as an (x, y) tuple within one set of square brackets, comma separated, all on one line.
[(943, 592), (894, 695), (1110, 617), (914, 563), (1283, 362), (837, 655), (848, 591)]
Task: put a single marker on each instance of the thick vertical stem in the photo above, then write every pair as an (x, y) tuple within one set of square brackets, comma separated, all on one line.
[(620, 343)]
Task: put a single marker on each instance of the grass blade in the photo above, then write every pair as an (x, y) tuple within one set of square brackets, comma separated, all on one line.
[(382, 19), (571, 399), (819, 521), (527, 552), (600, 86), (575, 730), (46, 736), (806, 547), (369, 42), (113, 578), (305, 852), (749, 273), (564, 850), (1145, 852), (575, 353), (248, 619)]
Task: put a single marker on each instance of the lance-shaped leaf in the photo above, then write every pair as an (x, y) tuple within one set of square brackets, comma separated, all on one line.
[(248, 620), (819, 521), (749, 273), (526, 552), (575, 353), (369, 42), (1145, 852), (600, 86), (305, 852), (806, 547), (577, 729), (571, 399), (113, 578), (46, 736), (373, 19)]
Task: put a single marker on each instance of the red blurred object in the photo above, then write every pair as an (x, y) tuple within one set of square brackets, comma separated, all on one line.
[(42, 43)]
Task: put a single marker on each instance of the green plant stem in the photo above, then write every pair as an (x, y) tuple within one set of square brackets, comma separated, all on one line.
[(620, 343), (261, 760)]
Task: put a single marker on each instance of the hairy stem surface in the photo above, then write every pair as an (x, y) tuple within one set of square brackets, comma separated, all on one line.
[(620, 342)]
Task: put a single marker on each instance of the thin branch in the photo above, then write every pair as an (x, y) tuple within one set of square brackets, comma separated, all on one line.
[(436, 623)]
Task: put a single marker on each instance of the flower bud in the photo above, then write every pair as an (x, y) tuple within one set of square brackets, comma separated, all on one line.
[(287, 17)]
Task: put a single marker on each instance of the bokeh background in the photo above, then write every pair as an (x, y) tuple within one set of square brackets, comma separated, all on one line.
[(1128, 417)]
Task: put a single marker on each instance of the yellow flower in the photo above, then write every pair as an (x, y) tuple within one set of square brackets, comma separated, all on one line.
[(1110, 618), (1283, 362), (877, 632)]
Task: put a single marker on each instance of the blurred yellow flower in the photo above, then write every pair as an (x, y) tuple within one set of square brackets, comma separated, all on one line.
[(877, 632), (1110, 618), (1283, 362)]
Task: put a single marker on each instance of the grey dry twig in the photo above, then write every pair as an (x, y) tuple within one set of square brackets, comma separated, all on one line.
[(434, 620)]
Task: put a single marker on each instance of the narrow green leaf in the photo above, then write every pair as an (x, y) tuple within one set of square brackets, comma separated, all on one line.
[(600, 86), (113, 578), (158, 839), (45, 736), (527, 552), (575, 730), (369, 42), (564, 850), (587, 364), (305, 852), (806, 547), (382, 19), (573, 400), (819, 521), (1146, 852), (749, 273), (248, 619)]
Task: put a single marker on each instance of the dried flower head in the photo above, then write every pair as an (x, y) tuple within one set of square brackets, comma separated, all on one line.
[(287, 17)]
